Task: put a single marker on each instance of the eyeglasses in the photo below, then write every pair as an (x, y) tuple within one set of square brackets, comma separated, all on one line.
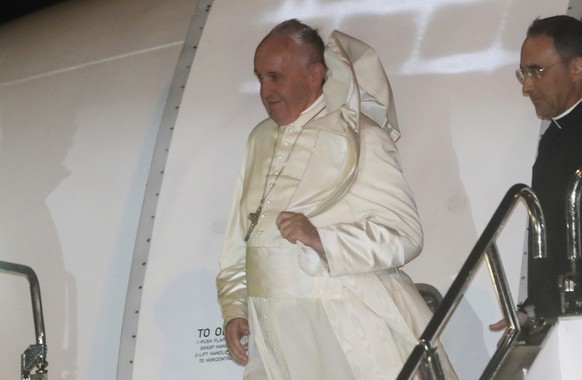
[(534, 71)]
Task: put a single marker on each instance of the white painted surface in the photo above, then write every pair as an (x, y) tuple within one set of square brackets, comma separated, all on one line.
[(559, 357), (82, 88)]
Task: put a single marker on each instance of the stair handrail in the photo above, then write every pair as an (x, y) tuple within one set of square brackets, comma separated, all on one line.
[(426, 349), (569, 282), (35, 356)]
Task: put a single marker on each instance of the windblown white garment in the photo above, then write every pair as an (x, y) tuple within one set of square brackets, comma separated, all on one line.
[(354, 315)]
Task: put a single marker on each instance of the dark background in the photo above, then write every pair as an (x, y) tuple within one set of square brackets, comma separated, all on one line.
[(13, 9)]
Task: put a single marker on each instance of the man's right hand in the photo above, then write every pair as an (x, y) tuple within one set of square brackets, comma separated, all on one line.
[(235, 329)]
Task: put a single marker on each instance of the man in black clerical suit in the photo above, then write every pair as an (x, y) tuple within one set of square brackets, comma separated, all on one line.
[(550, 73), (551, 76)]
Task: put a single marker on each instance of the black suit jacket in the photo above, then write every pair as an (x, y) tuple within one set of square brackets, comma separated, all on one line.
[(559, 156)]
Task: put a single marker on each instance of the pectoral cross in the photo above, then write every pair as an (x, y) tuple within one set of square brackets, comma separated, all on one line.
[(254, 218)]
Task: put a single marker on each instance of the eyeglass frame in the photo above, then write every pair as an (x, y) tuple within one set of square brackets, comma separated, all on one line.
[(536, 71)]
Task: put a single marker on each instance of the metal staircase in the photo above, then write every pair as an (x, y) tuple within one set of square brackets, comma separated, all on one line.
[(521, 342), (424, 360)]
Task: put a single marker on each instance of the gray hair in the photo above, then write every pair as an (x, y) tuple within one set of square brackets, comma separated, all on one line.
[(303, 35)]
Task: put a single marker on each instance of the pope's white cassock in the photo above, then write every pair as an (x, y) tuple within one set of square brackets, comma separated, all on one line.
[(353, 314)]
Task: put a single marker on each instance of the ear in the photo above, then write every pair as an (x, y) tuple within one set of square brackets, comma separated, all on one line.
[(576, 68), (317, 73)]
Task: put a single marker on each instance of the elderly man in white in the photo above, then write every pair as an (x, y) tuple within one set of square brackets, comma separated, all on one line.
[(322, 220)]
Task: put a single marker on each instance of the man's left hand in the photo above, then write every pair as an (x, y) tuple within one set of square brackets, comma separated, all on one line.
[(296, 227), (501, 325)]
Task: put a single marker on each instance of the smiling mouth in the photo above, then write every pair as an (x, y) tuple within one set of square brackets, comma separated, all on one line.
[(272, 101)]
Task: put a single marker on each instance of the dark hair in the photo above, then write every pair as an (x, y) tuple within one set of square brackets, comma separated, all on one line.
[(566, 32), (303, 35)]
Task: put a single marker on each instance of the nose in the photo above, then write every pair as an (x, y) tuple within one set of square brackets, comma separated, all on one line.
[(527, 85), (265, 89)]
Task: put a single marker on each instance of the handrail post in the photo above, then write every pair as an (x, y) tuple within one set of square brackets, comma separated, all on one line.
[(573, 217), (569, 283), (509, 313)]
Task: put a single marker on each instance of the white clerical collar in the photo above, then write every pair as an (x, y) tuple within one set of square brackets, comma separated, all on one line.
[(555, 119), (313, 105), (310, 113)]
